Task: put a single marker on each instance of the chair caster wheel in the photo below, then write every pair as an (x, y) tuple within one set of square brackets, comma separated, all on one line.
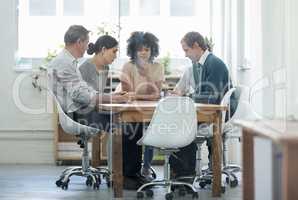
[(195, 195), (234, 183), (89, 181), (202, 184), (64, 186), (109, 183), (98, 180), (96, 186), (149, 193), (140, 195), (208, 181), (169, 196), (223, 189), (107, 178), (59, 183)]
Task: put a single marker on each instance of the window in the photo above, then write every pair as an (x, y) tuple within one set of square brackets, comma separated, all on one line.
[(41, 25), (182, 8), (149, 8), (124, 8), (42, 8), (73, 7)]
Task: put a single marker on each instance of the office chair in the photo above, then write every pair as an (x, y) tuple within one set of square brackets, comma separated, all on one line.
[(244, 111), (204, 132), (84, 133), (173, 125), (229, 131)]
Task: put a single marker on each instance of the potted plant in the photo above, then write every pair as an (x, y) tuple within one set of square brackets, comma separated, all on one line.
[(39, 73), (165, 62)]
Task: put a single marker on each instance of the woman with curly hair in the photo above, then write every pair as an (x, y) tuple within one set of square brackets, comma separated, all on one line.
[(142, 77)]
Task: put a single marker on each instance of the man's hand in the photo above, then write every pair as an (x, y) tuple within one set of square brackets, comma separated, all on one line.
[(174, 93), (119, 93)]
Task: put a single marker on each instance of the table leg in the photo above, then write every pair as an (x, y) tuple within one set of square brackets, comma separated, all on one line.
[(96, 143), (216, 156), (117, 157), (289, 171), (248, 165)]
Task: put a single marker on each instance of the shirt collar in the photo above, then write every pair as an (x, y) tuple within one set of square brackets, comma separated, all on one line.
[(204, 57), (70, 56)]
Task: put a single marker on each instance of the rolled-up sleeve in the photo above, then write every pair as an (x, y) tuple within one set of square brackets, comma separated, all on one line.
[(183, 86), (81, 93), (77, 89)]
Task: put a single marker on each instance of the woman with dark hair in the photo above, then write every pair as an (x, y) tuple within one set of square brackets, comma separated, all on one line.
[(95, 70), (142, 77)]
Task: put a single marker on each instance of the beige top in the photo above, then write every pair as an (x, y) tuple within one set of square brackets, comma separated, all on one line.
[(138, 82)]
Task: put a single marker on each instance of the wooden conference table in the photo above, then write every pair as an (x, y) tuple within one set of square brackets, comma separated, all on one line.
[(281, 132), (142, 111)]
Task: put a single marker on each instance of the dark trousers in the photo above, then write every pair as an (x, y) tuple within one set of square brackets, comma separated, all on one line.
[(183, 162), (93, 118), (132, 153), (209, 146)]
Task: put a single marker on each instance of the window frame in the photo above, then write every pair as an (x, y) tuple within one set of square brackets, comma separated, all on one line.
[(133, 12)]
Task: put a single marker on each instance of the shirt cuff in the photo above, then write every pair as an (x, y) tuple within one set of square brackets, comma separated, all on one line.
[(93, 94)]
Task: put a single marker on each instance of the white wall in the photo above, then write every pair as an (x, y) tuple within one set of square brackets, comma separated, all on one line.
[(280, 60), (23, 137), (291, 57), (273, 57)]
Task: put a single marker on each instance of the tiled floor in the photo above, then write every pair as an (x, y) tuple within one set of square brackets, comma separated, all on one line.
[(37, 182)]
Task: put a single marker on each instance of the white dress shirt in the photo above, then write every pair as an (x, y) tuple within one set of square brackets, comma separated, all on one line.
[(186, 84)]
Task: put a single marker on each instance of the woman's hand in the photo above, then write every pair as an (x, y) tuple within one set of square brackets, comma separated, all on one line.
[(120, 98), (124, 97), (132, 96)]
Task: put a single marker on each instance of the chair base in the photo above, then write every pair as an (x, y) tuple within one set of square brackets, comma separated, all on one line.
[(168, 184), (207, 177), (232, 178), (93, 175), (232, 168)]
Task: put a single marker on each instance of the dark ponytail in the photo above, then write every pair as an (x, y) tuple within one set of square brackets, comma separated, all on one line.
[(103, 41), (91, 48)]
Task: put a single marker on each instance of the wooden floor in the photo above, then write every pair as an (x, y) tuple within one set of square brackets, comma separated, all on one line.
[(37, 182)]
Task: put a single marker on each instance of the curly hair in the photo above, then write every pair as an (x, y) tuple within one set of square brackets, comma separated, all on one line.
[(139, 39)]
